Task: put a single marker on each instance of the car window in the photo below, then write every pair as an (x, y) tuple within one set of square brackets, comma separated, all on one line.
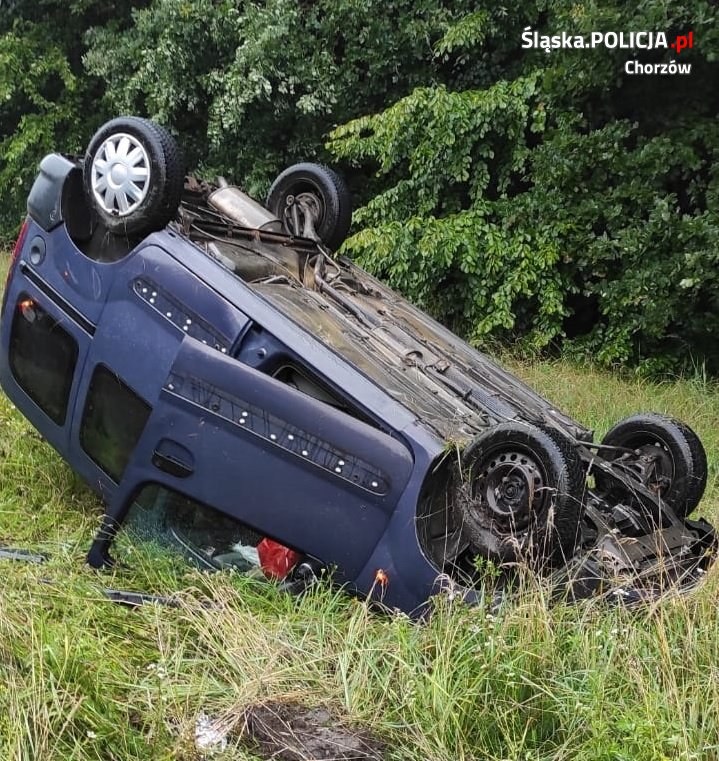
[(112, 421), (43, 356), (199, 533)]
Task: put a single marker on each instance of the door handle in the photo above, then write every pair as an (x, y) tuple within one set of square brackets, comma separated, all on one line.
[(171, 465)]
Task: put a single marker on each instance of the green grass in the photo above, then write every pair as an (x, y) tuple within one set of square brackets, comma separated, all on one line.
[(85, 679)]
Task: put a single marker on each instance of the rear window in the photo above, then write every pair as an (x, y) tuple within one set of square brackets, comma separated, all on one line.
[(43, 357), (112, 421)]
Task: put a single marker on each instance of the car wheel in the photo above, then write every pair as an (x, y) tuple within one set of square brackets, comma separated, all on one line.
[(520, 495), (311, 196), (134, 174), (665, 455)]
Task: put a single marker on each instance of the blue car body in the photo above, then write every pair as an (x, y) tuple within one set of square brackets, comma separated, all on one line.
[(164, 367)]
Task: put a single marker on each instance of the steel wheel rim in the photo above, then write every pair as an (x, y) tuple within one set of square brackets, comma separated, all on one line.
[(510, 484), (120, 175)]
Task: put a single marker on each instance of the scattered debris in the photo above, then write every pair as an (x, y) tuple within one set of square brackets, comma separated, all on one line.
[(25, 556), (209, 738)]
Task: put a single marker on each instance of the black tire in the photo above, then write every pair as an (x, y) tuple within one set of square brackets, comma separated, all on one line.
[(334, 212), (679, 473), (175, 164), (127, 204), (521, 495)]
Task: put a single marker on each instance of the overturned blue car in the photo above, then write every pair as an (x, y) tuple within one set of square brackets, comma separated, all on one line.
[(235, 391)]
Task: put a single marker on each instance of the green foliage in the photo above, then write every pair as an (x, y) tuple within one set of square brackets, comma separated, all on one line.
[(633, 213), (519, 194), (456, 254), (561, 201), (47, 103), (254, 86), (37, 92)]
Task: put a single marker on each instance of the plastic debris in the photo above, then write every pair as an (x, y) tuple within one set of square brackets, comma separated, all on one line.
[(208, 737)]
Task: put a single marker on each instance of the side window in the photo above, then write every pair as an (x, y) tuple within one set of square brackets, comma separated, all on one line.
[(43, 357), (200, 534), (112, 421), (301, 380), (294, 377)]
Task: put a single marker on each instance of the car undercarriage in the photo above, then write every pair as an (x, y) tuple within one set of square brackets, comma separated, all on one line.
[(630, 544)]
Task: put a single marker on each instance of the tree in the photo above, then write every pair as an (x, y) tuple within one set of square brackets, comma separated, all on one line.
[(549, 195), (251, 87), (565, 199), (46, 100)]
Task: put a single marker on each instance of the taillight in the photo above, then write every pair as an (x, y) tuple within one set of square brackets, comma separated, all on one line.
[(15, 254), (20, 239)]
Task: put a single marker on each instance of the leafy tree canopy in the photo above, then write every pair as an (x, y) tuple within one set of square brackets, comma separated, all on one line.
[(252, 86), (563, 199), (47, 101), (542, 196)]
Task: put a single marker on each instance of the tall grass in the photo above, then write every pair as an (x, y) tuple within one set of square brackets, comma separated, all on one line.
[(84, 679)]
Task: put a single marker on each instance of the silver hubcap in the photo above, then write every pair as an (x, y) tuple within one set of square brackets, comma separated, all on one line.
[(120, 174)]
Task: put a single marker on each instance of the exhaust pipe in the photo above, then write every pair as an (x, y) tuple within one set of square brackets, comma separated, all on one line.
[(239, 207)]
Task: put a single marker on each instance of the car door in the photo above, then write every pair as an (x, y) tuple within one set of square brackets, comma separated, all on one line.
[(154, 304), (45, 338), (281, 463)]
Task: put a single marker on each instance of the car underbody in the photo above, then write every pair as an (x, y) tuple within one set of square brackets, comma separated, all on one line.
[(631, 545)]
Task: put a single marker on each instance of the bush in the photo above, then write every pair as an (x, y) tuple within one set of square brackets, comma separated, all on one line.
[(252, 87), (542, 196), (569, 203)]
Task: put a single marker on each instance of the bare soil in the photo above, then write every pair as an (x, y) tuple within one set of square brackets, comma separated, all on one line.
[(292, 732)]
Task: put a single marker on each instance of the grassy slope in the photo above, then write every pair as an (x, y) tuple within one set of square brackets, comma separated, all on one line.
[(84, 679)]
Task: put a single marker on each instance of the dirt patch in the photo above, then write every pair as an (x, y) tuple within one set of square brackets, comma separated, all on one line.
[(291, 732)]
